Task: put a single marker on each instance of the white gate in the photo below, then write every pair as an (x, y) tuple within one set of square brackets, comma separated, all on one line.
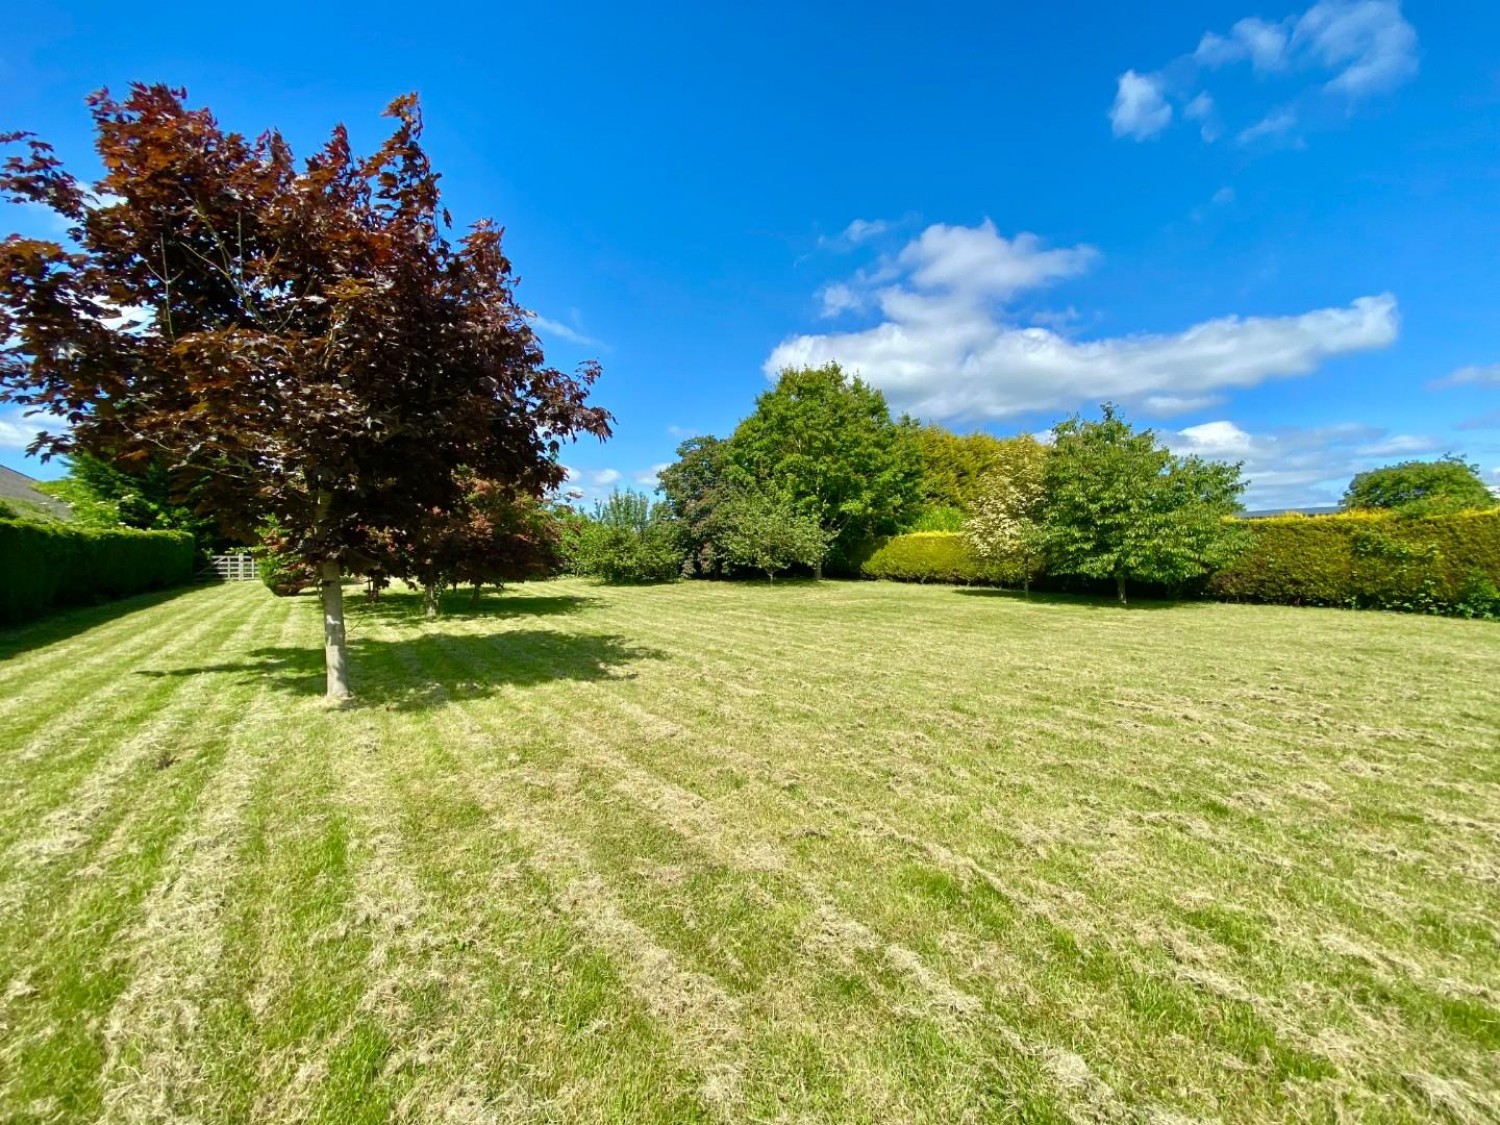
[(235, 568)]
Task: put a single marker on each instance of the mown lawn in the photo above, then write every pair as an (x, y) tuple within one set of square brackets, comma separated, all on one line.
[(847, 852)]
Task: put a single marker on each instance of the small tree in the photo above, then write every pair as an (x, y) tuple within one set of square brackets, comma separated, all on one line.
[(303, 343), (759, 530), (1421, 488), (629, 539), (497, 536), (1005, 527), (1120, 506)]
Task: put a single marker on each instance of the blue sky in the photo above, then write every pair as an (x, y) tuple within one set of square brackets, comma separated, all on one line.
[(1268, 229)]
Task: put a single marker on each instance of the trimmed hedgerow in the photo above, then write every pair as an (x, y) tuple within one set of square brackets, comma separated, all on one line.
[(1376, 560), (45, 565), (1366, 560), (927, 556)]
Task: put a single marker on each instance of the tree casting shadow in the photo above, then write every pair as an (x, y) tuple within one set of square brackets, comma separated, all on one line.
[(1079, 601), (406, 605), (423, 672)]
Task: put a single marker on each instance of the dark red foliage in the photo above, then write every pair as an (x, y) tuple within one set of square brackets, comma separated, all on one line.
[(302, 343)]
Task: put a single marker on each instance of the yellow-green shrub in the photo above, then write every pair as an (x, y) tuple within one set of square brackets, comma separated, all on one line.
[(1438, 564), (43, 565), (928, 556)]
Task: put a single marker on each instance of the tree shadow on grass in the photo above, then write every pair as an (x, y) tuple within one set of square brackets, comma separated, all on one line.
[(1078, 601), (60, 624), (397, 605), (424, 672)]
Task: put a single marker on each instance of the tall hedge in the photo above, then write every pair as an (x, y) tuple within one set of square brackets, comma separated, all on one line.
[(45, 565), (1377, 560), (927, 556), (1367, 560)]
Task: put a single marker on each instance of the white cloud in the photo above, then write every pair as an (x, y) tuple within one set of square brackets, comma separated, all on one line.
[(1264, 44), (1487, 375), (1140, 109), (857, 232), (1224, 196), (1401, 445), (1293, 467), (1343, 51), (604, 477), (1179, 404), (1368, 41), (16, 430), (982, 262), (839, 298), (945, 349), (566, 332), (1202, 108), (1276, 124), (647, 478)]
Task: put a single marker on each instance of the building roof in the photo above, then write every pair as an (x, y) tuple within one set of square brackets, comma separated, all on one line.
[(20, 492)]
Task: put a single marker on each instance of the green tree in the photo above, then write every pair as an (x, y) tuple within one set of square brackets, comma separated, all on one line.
[(693, 487), (1421, 488), (955, 467), (1005, 525), (827, 442), (102, 495), (759, 530), (1121, 506)]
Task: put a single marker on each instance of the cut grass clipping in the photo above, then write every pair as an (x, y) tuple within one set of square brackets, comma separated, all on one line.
[(724, 852)]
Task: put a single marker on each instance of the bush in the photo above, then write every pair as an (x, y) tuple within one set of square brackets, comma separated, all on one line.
[(628, 539), (928, 556), (1375, 560), (45, 565)]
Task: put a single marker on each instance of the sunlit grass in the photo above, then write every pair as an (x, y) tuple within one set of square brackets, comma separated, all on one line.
[(836, 852)]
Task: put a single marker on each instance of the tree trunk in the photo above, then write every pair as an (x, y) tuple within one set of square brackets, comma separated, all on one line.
[(818, 571), (1120, 588), (335, 652), (430, 596)]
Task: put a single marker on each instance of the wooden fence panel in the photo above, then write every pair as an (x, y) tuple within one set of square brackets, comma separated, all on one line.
[(235, 568)]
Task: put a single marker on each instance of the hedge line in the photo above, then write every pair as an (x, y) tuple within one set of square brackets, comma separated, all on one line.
[(1377, 560), (927, 556), (1374, 560), (44, 565)]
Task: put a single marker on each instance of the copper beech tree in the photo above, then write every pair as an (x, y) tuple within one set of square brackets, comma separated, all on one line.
[(300, 340)]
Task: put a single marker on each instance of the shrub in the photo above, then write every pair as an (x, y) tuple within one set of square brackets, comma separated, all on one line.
[(283, 574), (1377, 560), (45, 565), (628, 540), (928, 556)]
